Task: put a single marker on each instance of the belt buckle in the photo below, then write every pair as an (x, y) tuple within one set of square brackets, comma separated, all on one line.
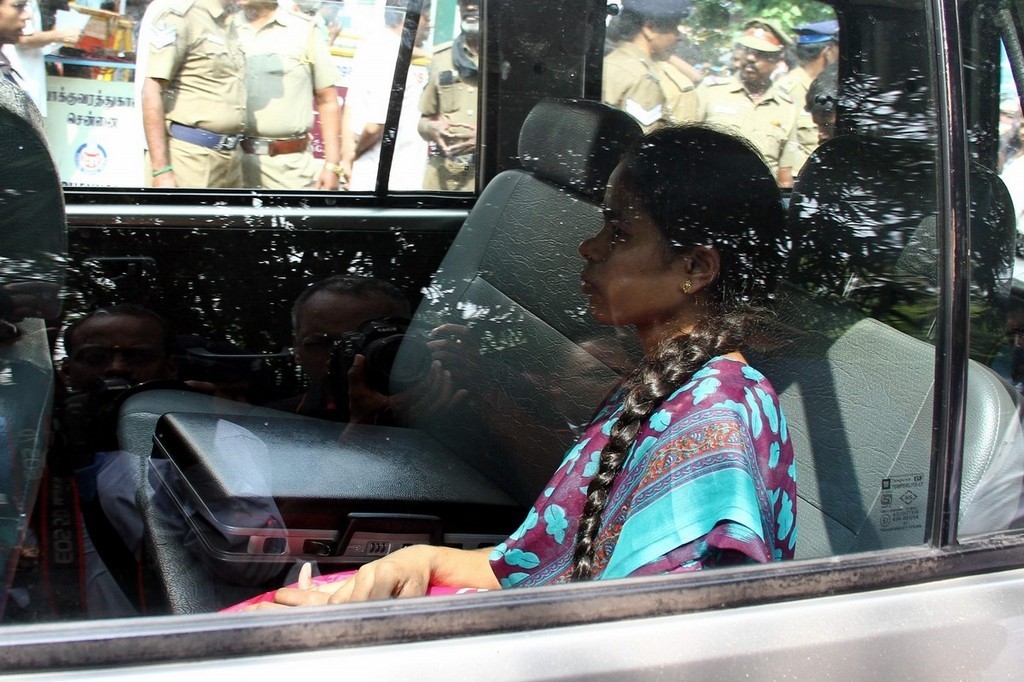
[(227, 143), (259, 145), (458, 164)]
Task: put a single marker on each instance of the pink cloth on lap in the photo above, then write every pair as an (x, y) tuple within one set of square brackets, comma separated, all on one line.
[(337, 578)]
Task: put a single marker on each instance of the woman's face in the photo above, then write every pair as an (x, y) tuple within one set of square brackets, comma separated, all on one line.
[(631, 276)]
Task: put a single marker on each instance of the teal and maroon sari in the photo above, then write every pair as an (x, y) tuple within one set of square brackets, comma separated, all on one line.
[(710, 480)]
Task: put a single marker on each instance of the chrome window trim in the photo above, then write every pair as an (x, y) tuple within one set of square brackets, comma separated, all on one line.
[(346, 218), (65, 646)]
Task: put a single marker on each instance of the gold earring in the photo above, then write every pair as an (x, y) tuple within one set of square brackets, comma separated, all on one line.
[(686, 286)]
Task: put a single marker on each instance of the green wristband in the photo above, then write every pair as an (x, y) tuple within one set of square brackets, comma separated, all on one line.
[(166, 169)]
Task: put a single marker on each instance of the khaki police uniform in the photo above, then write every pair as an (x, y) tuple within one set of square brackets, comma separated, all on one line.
[(654, 93), (767, 124), (447, 93), (285, 61), (796, 83), (194, 48)]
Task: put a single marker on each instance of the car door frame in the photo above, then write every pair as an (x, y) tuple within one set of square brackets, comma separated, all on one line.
[(987, 567)]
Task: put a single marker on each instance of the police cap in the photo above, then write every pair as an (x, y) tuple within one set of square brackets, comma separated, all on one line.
[(817, 33), (764, 35), (658, 9)]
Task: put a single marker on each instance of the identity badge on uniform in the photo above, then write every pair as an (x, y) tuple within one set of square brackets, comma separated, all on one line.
[(162, 35)]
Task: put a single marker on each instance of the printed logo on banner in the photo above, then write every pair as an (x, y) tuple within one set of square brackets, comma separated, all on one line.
[(91, 158)]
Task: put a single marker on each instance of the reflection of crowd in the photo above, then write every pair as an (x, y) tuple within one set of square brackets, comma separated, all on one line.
[(91, 483), (224, 92), (115, 351), (223, 100), (761, 97)]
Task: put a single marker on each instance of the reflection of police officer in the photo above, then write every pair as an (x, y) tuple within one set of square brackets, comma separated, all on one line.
[(820, 102), (288, 67), (193, 99), (816, 48), (637, 76), (748, 104), (449, 108)]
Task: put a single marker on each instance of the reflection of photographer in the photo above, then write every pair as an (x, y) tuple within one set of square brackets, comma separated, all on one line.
[(323, 313), (109, 351), (86, 424), (378, 342), (360, 322), (125, 341)]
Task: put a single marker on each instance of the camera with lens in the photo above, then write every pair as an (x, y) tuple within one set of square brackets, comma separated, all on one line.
[(86, 423), (378, 342)]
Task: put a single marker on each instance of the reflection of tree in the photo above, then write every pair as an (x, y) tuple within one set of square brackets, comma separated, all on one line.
[(712, 23), (238, 285), (863, 221)]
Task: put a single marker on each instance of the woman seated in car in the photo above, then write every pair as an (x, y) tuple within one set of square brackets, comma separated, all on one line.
[(687, 464)]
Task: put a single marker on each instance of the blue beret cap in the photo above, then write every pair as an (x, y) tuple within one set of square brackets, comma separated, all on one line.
[(658, 9), (820, 32)]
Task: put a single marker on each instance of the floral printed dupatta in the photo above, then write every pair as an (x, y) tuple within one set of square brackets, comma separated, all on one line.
[(711, 480)]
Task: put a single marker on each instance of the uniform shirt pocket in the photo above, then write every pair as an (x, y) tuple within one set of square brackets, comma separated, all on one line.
[(448, 97), (215, 52)]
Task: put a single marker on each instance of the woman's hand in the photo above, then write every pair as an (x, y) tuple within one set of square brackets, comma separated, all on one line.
[(405, 573), (409, 572)]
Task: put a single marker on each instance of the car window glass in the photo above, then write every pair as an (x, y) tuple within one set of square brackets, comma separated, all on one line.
[(990, 497), (269, 102), (745, 71), (255, 364)]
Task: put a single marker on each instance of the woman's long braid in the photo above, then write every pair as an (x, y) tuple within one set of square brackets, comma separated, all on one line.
[(655, 378), (685, 178)]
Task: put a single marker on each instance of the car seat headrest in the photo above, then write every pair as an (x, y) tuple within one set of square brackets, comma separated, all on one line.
[(576, 144), (33, 227)]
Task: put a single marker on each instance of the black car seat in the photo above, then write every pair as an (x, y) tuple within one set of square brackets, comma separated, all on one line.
[(857, 392), (33, 246), (511, 276), (169, 555)]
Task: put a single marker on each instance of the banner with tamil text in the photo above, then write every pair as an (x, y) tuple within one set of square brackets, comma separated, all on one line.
[(94, 131)]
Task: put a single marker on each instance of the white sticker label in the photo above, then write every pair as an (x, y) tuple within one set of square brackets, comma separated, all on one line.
[(903, 502)]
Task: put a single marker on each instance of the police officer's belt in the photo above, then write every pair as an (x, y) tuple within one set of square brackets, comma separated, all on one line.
[(273, 146), (204, 138), (453, 164), (459, 164)]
